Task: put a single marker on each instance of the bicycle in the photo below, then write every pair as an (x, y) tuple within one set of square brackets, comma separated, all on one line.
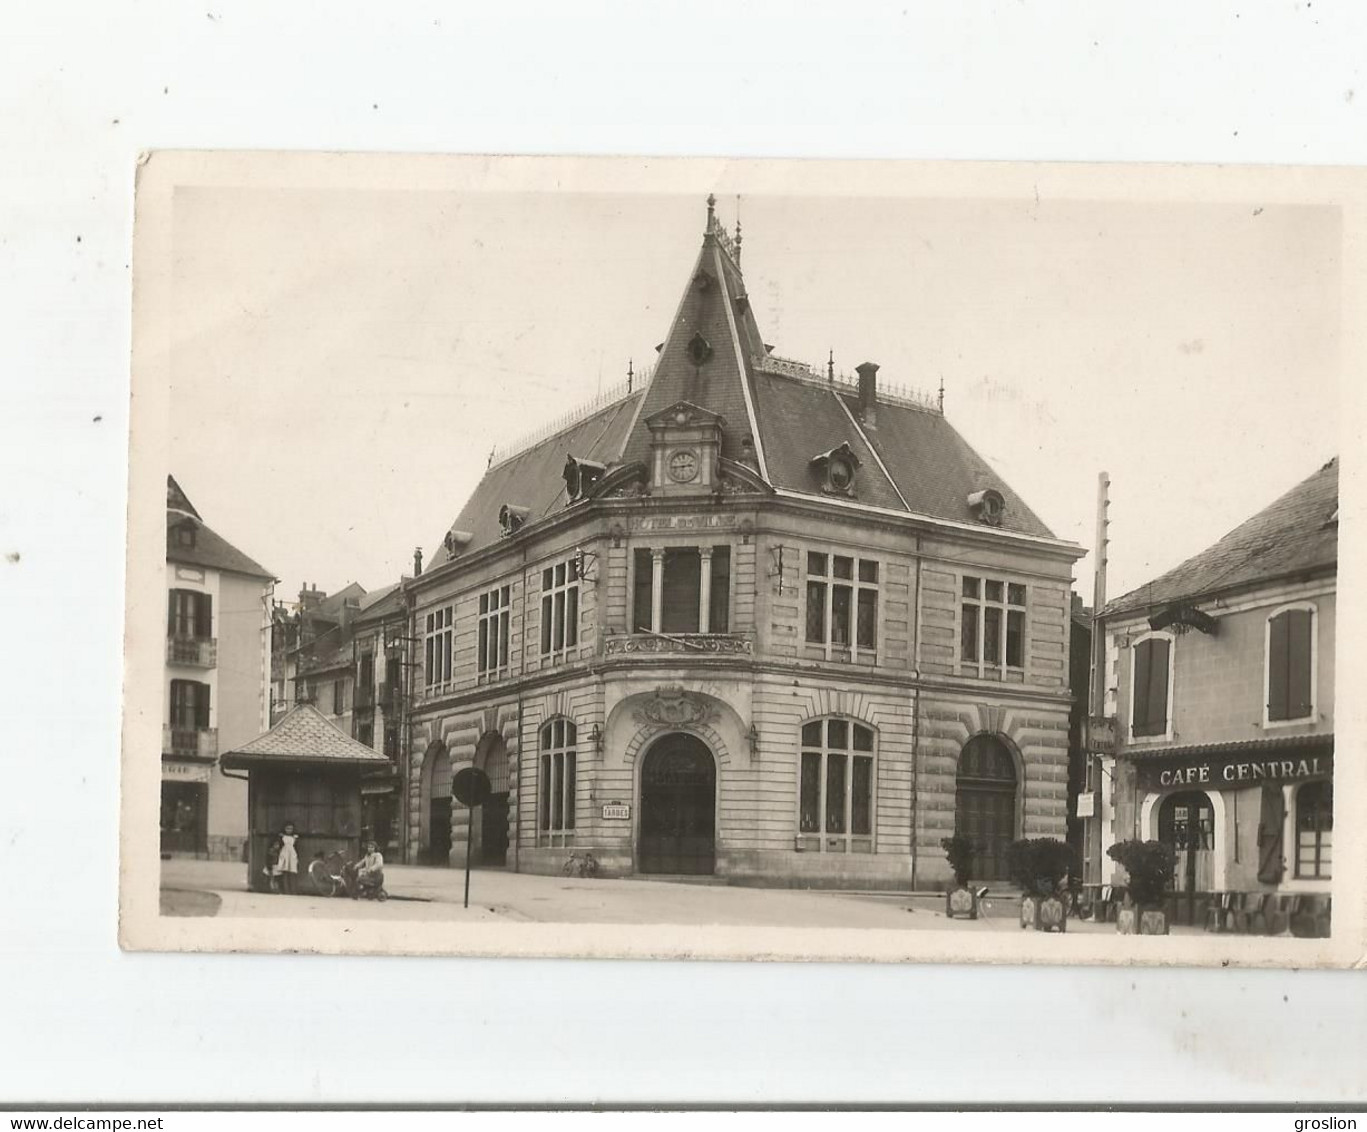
[(577, 865)]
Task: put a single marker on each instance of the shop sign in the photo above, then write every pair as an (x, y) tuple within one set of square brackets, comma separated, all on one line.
[(616, 811), (1232, 771), (1086, 805), (185, 772), (1101, 735)]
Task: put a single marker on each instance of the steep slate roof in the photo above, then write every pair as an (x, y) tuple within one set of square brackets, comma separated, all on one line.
[(211, 550), (1292, 536), (303, 735), (532, 478), (787, 412)]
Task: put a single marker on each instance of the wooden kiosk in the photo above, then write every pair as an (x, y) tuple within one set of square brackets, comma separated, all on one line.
[(307, 771)]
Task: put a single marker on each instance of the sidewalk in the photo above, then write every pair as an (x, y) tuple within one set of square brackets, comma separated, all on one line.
[(426, 894)]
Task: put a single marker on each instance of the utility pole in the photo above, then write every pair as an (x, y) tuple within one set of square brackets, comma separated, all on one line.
[(1096, 707)]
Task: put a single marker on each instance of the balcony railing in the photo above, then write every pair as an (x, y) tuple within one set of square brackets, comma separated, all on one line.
[(201, 652), (694, 643), (189, 742)]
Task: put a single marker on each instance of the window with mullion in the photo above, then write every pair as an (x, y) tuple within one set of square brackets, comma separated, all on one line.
[(559, 609), (1315, 831), (491, 650), (189, 614), (189, 705), (992, 624), (559, 758), (835, 786), (842, 603), (683, 572), (437, 649)]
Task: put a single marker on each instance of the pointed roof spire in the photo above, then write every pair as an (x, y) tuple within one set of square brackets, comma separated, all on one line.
[(631, 376), (830, 368), (737, 244)]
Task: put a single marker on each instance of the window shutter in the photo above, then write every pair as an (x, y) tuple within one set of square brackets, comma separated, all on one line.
[(1278, 655), (1141, 688), (170, 613), (1270, 835), (1158, 687), (1298, 697), (204, 616), (201, 706)]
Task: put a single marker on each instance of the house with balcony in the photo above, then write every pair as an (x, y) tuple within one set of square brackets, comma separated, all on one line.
[(746, 617), (1220, 679), (217, 672)]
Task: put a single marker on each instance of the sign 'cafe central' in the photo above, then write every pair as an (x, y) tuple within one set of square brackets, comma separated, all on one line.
[(1225, 771)]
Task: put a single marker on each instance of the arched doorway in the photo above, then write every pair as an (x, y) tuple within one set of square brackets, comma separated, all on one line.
[(985, 804), (435, 799), (493, 817), (678, 807), (1186, 821)]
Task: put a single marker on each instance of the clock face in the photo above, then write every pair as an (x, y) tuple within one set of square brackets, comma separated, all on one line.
[(683, 466)]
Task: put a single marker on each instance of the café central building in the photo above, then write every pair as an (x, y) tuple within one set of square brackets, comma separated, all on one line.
[(747, 618)]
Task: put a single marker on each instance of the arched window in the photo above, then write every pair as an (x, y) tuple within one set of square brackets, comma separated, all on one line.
[(555, 823), (1290, 664), (1151, 686), (1315, 831), (835, 793)]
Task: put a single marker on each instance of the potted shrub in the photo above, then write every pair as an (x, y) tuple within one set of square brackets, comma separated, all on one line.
[(960, 900), (1041, 866), (1150, 868)]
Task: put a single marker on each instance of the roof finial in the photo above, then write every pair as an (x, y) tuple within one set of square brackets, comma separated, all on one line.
[(942, 394), (711, 211), (492, 450), (630, 375), (830, 369), (738, 229)]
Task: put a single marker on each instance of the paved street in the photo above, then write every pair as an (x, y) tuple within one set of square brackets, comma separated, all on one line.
[(427, 894)]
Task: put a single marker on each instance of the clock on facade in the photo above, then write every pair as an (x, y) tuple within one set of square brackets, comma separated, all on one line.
[(683, 466)]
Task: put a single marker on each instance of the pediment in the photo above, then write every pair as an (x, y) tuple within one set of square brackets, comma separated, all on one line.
[(683, 414)]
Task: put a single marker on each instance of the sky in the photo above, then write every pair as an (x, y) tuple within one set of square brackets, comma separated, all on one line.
[(343, 359)]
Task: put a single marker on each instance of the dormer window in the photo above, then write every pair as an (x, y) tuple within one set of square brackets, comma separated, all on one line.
[(988, 506), (836, 469), (511, 518), (185, 535), (580, 477)]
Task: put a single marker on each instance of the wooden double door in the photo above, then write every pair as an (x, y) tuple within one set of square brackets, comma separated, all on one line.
[(678, 808), (985, 805)]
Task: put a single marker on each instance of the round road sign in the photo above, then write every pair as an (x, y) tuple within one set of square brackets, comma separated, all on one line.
[(470, 787)]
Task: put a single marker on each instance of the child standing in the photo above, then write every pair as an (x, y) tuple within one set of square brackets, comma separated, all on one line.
[(272, 861), (287, 863)]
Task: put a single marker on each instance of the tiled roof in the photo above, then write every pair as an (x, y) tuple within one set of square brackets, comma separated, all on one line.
[(1274, 743), (1292, 536), (210, 550), (304, 736), (927, 468)]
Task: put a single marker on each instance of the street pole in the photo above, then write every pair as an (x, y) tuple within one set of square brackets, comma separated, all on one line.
[(1097, 699)]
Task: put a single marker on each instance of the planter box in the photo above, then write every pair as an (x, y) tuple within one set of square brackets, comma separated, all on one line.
[(1044, 913), (1141, 921), (961, 901)]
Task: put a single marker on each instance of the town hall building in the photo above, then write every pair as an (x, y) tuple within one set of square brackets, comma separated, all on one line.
[(749, 619)]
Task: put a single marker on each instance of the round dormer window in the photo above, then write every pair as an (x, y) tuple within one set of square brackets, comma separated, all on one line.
[(842, 474)]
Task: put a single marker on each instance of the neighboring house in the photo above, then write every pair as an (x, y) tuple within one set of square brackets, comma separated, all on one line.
[(218, 604), (751, 619), (344, 654), (1220, 675)]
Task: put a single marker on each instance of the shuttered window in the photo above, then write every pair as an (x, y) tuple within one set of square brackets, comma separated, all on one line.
[(189, 705), (189, 614), (1152, 658), (1289, 693)]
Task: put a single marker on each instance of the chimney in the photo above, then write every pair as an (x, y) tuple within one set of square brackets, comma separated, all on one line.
[(868, 392), (417, 562)]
